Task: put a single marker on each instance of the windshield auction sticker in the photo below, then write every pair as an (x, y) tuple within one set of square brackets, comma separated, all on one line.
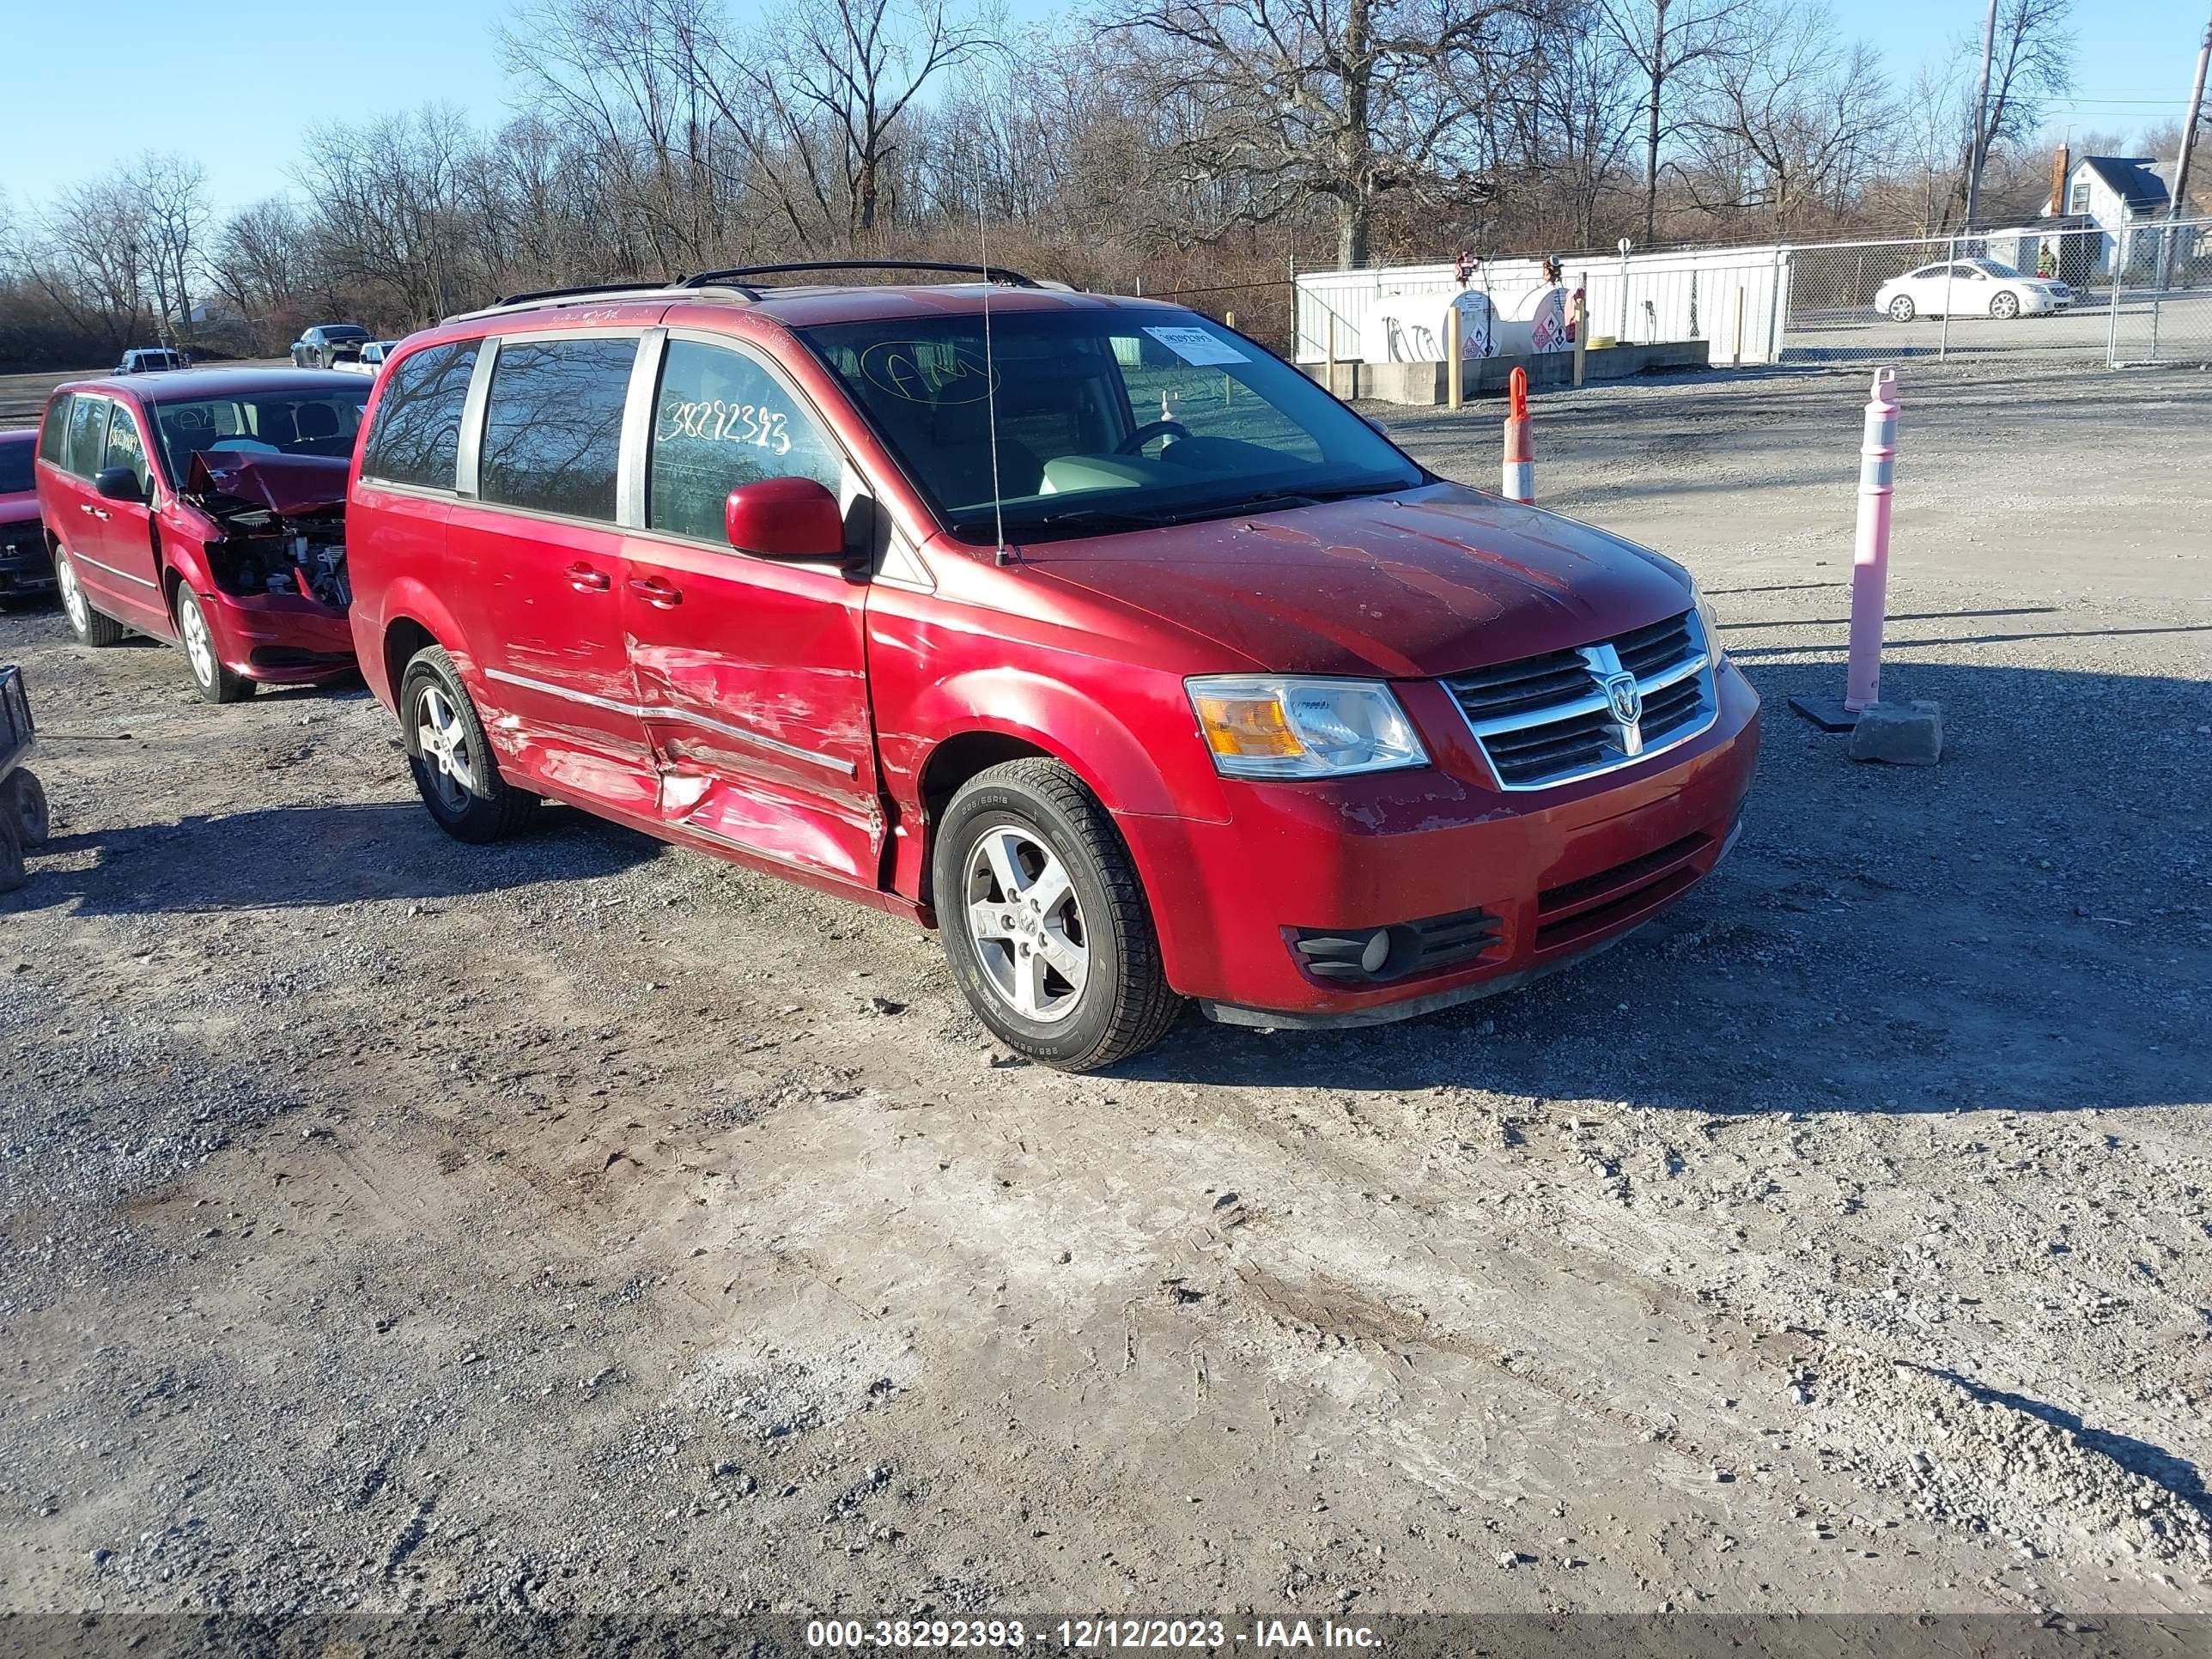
[(1195, 345)]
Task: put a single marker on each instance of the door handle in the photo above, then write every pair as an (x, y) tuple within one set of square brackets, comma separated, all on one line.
[(97, 512), (584, 580), (655, 592)]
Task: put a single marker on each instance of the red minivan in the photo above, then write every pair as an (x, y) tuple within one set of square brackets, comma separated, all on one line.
[(206, 507), (1080, 626)]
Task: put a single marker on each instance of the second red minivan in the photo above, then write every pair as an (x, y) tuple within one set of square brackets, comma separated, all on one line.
[(1081, 628), (206, 507)]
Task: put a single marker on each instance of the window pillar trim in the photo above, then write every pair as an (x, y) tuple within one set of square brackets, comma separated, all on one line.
[(631, 470), (468, 454)]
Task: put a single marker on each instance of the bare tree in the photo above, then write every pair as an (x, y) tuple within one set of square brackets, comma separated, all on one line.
[(1584, 103), (1668, 40), (1346, 100), (2032, 60), (1801, 124), (90, 258), (173, 211)]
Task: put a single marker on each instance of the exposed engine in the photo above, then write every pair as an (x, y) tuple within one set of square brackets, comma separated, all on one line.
[(284, 523), (288, 556)]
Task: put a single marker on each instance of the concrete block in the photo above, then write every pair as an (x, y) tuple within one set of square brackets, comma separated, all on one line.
[(1902, 733)]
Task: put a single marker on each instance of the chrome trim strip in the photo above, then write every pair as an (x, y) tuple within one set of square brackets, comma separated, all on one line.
[(664, 712), (86, 558), (1550, 715)]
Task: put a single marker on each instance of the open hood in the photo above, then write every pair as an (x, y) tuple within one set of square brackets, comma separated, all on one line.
[(1430, 582), (286, 484)]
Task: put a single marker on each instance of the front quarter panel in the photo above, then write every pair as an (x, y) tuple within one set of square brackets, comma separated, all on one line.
[(997, 652)]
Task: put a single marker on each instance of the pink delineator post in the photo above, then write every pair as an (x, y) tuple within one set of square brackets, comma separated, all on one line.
[(1870, 560)]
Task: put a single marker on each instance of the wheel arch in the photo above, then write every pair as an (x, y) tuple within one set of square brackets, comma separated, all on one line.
[(967, 723), (410, 618)]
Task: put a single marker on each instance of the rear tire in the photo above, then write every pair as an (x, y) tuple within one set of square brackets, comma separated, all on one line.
[(1044, 919), (455, 770), (12, 872), (23, 804), (90, 626), (215, 683)]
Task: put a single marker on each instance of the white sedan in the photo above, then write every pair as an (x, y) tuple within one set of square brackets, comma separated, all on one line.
[(371, 361), (1969, 288)]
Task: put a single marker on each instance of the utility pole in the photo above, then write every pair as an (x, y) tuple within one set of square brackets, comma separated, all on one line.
[(2174, 209), (1980, 154)]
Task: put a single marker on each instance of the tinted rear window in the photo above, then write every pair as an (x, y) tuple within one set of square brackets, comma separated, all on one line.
[(54, 435), (15, 474), (87, 436), (416, 436), (553, 429)]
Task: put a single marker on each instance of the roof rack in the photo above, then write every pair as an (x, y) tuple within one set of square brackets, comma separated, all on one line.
[(736, 276), (582, 292), (577, 290)]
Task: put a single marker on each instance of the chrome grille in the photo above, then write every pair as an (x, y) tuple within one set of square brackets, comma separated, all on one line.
[(1552, 719)]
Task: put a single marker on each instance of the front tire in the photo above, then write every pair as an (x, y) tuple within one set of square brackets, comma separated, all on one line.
[(2004, 307), (1044, 919), (90, 626), (1901, 309), (215, 683), (455, 770)]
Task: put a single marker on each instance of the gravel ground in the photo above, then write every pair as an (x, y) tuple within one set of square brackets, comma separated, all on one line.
[(581, 1223)]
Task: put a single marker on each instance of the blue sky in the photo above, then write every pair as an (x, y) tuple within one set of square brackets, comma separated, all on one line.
[(237, 88)]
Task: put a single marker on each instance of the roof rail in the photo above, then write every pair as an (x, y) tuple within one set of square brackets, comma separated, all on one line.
[(578, 290), (736, 275), (583, 293)]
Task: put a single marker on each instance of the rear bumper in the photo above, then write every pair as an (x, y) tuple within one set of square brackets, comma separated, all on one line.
[(1554, 875), (26, 566), (279, 639)]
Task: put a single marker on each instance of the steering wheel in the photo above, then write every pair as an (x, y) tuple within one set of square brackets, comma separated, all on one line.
[(1151, 429)]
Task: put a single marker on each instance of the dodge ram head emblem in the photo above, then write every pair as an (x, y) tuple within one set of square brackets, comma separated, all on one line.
[(1627, 702)]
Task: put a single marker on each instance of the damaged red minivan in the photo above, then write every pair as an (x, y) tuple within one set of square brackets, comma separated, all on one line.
[(206, 507), (1081, 628)]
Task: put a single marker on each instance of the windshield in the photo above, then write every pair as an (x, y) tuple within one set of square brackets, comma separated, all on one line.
[(1995, 269), (323, 423), (1105, 420), (16, 475)]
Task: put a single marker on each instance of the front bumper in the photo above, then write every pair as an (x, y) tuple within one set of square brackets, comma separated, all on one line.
[(1557, 873), (279, 639)]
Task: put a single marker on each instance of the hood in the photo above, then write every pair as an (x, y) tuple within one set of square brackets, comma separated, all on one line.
[(286, 484), (1436, 581)]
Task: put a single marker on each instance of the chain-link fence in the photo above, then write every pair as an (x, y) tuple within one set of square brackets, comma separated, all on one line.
[(2139, 295)]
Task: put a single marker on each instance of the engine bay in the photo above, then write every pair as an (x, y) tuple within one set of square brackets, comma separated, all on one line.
[(282, 520)]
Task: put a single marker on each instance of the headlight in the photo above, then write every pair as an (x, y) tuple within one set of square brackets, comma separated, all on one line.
[(1261, 726), (1707, 621)]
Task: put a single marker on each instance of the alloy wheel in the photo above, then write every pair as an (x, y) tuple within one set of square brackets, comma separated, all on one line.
[(443, 741), (73, 600), (1026, 924), (199, 644)]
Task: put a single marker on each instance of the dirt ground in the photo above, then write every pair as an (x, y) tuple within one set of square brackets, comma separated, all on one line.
[(583, 1224)]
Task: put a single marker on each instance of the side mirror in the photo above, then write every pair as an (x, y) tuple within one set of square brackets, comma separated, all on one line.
[(785, 519), (119, 483)]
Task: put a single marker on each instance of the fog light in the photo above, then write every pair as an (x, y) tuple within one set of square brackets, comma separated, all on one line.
[(1378, 951)]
